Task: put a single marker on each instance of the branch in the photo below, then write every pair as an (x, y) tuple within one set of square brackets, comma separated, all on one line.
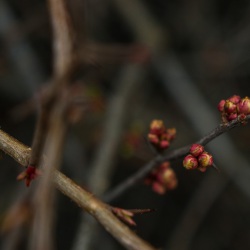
[(84, 199), (64, 36), (172, 155), (43, 222)]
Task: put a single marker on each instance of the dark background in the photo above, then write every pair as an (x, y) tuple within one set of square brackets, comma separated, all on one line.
[(191, 54)]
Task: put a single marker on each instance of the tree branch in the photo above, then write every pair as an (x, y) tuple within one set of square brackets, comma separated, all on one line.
[(43, 222), (84, 199), (64, 36), (172, 155)]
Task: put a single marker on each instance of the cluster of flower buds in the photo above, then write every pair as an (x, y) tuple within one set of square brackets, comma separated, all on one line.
[(198, 158), (162, 178), (234, 107), (159, 136)]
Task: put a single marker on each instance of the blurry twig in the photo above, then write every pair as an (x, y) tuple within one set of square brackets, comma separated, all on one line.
[(112, 54), (98, 179), (118, 108), (64, 40), (90, 55), (51, 125), (16, 219), (84, 199), (44, 205)]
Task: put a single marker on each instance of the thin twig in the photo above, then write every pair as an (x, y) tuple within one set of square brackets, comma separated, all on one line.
[(84, 199), (40, 132), (51, 127), (64, 36), (16, 219), (44, 205), (64, 45), (172, 155)]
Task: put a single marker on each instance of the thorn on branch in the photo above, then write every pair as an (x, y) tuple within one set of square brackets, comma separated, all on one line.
[(126, 214), (216, 168)]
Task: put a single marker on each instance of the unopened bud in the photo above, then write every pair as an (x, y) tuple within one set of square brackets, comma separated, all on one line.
[(164, 144), (171, 133), (221, 105), (196, 150), (153, 139), (232, 117), (205, 160), (157, 127), (234, 99), (190, 162), (230, 107), (158, 187), (244, 106), (169, 178)]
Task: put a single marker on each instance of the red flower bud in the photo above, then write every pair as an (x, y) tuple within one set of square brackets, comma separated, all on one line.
[(162, 178), (230, 107), (232, 117), (171, 133), (153, 138), (169, 178), (244, 106), (221, 105), (196, 150), (205, 160), (190, 162), (157, 127), (172, 184), (234, 99), (164, 144), (158, 187)]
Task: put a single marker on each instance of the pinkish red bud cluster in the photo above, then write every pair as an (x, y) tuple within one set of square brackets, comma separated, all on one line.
[(159, 136), (162, 178), (198, 158), (234, 107)]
